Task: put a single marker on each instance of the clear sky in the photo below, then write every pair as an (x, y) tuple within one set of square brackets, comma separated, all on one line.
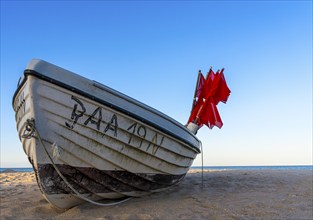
[(152, 52)]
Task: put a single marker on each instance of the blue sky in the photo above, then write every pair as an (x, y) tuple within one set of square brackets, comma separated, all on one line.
[(152, 51)]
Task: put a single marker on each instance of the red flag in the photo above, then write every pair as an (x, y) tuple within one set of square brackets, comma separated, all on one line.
[(194, 113), (222, 91), (210, 115), (201, 93), (210, 78), (213, 91)]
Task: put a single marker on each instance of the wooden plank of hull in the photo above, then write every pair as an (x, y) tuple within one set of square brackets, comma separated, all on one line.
[(87, 180), (98, 184), (152, 152), (101, 151)]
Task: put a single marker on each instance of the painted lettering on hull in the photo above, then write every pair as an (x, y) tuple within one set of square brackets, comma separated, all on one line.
[(94, 120)]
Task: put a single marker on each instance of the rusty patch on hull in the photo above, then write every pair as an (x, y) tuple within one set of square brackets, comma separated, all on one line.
[(91, 180)]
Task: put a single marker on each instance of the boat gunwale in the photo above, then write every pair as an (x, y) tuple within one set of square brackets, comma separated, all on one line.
[(28, 72)]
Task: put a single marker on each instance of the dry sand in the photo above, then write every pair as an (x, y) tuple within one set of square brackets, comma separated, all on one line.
[(268, 194)]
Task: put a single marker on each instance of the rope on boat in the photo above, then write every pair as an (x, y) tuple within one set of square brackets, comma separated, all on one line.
[(201, 165), (29, 133)]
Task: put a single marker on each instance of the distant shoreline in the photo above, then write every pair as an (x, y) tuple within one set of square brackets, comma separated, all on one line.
[(207, 168), (282, 167)]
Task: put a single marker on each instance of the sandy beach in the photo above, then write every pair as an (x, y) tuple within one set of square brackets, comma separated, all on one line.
[(261, 194)]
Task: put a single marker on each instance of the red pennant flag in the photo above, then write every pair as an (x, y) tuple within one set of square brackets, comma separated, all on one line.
[(213, 91), (201, 93), (222, 91), (210, 78), (210, 115)]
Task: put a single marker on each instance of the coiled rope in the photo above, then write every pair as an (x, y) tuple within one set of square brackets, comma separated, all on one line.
[(29, 132)]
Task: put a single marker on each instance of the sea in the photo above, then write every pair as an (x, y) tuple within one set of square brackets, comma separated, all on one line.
[(213, 168), (219, 168)]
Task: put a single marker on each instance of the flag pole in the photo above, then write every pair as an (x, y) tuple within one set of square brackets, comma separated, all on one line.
[(193, 127), (196, 89), (204, 101)]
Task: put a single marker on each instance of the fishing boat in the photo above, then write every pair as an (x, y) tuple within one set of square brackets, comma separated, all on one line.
[(89, 142)]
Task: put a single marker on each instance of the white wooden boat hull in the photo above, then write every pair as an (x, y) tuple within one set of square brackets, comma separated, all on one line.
[(105, 144)]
